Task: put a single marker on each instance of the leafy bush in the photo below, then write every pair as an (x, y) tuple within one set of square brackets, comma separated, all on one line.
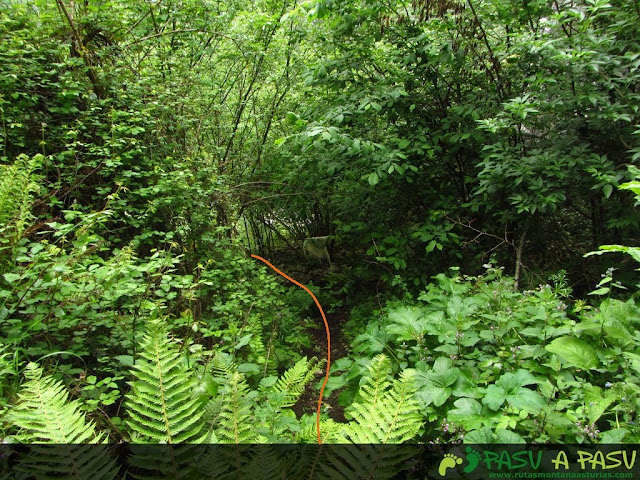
[(487, 357)]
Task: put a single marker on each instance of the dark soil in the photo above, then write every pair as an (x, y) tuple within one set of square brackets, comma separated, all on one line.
[(308, 402)]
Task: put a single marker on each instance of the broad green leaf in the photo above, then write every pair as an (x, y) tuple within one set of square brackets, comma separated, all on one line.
[(11, 277), (248, 368), (526, 399), (468, 413), (508, 437), (243, 341), (575, 352), (614, 436), (436, 386), (408, 323), (510, 381), (597, 401), (494, 397), (486, 436), (126, 360), (634, 358)]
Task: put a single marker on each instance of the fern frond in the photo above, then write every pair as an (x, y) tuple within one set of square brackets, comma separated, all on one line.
[(377, 382), (160, 405), (365, 461), (256, 462), (45, 415), (387, 413), (162, 409), (385, 416), (18, 182), (287, 390), (330, 430), (234, 421)]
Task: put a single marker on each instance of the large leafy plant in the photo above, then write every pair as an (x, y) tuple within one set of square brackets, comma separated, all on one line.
[(487, 357)]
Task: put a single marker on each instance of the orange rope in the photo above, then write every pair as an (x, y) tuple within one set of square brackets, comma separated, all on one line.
[(326, 325)]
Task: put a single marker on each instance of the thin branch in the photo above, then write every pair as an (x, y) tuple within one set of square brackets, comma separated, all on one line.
[(184, 30), (274, 196), (139, 20), (503, 240), (260, 182), (519, 258), (81, 49), (480, 232), (494, 60)]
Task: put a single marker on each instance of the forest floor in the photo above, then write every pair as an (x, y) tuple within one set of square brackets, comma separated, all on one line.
[(308, 402)]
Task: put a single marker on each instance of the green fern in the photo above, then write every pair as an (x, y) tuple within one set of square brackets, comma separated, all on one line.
[(387, 414), (163, 410), (376, 383), (256, 462), (160, 406), (292, 383), (235, 423), (44, 415), (238, 415), (18, 182)]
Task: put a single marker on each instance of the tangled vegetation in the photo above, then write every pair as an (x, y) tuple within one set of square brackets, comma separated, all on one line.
[(473, 162)]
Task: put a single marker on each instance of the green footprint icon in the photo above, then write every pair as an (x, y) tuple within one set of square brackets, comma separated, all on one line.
[(449, 461), (473, 457)]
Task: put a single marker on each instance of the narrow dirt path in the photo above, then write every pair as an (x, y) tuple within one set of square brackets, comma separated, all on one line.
[(308, 402)]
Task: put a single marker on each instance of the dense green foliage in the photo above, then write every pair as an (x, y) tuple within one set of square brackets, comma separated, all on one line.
[(146, 148)]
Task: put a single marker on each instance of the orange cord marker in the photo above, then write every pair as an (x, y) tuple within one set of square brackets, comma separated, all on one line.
[(326, 325)]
